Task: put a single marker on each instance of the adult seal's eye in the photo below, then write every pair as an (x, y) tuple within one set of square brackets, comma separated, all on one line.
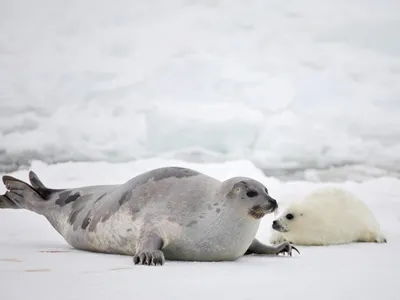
[(251, 194), (289, 216)]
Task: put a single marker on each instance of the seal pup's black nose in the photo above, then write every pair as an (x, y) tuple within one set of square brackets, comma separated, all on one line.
[(275, 225)]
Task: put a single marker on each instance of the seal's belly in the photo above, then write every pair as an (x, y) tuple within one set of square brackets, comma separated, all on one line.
[(209, 250), (215, 245), (205, 240), (117, 236)]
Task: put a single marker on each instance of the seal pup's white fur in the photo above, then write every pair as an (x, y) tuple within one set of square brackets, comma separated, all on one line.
[(327, 216)]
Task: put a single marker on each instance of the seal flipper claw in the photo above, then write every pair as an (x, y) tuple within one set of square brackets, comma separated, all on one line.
[(148, 251), (149, 258), (286, 247), (294, 248), (257, 247)]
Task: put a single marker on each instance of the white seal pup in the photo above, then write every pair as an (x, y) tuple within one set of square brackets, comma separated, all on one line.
[(168, 213), (327, 216)]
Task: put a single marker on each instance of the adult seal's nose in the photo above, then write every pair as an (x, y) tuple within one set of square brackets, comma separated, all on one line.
[(273, 202)]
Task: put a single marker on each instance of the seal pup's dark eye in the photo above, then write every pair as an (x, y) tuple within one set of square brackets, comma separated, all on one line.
[(289, 216), (251, 194)]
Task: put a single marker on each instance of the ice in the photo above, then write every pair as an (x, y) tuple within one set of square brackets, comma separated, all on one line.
[(35, 262), (292, 86)]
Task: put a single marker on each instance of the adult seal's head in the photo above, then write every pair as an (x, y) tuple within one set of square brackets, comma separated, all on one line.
[(249, 196)]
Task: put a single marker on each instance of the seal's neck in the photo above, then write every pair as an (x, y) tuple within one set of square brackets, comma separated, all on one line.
[(233, 228)]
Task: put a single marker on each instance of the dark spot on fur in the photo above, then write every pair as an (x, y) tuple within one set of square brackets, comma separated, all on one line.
[(137, 186), (135, 210), (128, 230), (209, 207), (74, 214), (125, 197), (98, 199), (216, 203), (172, 219), (66, 197), (109, 209), (72, 198), (168, 172), (192, 223), (244, 183), (201, 216), (163, 173), (106, 216), (218, 210), (86, 221), (93, 223)]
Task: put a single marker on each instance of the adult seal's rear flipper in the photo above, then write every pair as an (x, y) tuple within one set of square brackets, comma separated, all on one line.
[(22, 195), (38, 185), (6, 202)]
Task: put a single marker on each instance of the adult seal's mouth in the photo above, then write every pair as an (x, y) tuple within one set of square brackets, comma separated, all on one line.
[(258, 211)]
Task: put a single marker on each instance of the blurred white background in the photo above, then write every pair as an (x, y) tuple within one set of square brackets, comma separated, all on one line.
[(290, 85)]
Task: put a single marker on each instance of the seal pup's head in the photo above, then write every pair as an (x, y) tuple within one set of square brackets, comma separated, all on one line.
[(290, 219), (251, 196)]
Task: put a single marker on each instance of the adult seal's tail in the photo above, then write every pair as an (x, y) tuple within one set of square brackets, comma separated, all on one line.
[(22, 195), (168, 213)]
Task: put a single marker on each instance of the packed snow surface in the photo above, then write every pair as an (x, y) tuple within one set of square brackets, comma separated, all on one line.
[(36, 263), (290, 85)]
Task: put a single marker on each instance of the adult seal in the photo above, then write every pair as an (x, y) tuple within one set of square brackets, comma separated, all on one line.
[(169, 213)]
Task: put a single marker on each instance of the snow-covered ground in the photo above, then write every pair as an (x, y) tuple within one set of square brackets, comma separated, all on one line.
[(287, 84), (36, 262)]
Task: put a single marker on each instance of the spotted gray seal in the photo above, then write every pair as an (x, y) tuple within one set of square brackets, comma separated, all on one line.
[(168, 213)]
